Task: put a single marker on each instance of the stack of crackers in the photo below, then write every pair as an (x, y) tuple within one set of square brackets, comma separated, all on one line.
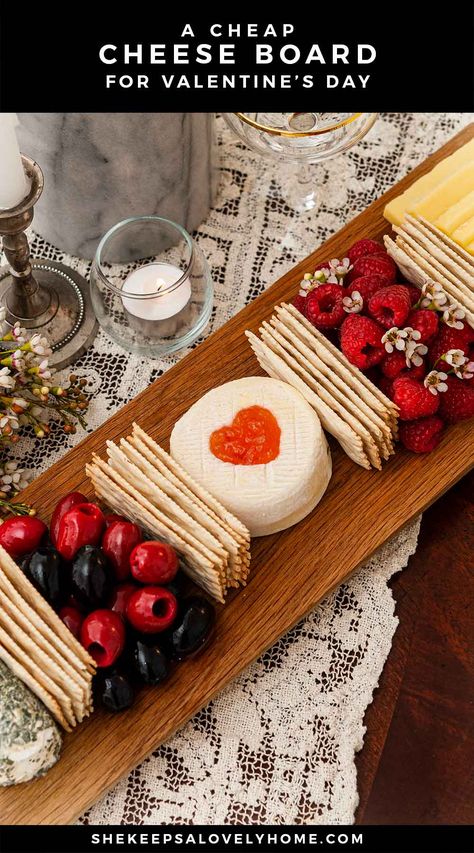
[(425, 254), (145, 483), (350, 407), (39, 649)]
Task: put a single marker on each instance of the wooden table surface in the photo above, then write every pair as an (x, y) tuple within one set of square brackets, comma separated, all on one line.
[(416, 765)]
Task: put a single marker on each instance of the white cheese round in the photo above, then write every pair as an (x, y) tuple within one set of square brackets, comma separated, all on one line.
[(269, 497)]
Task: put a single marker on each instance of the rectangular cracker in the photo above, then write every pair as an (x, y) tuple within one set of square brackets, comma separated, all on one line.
[(198, 491), (45, 663), (350, 374), (433, 239), (184, 524), (282, 346), (211, 530), (17, 652), (123, 498), (65, 642), (281, 368), (81, 692), (377, 427), (464, 256), (428, 258)]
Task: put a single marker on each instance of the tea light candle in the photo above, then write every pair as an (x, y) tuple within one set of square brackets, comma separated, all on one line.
[(156, 279), (13, 182)]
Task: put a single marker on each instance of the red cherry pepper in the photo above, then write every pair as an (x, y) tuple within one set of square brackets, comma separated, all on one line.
[(81, 525), (72, 618), (118, 542), (154, 562), (152, 609), (119, 598), (103, 635), (66, 503), (21, 534)]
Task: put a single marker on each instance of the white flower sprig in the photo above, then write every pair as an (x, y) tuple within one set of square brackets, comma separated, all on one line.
[(465, 371), (29, 396), (453, 317), (454, 357), (435, 381), (433, 296), (334, 273), (354, 303), (405, 340)]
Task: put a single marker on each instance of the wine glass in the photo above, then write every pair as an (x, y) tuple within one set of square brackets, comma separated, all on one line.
[(303, 139)]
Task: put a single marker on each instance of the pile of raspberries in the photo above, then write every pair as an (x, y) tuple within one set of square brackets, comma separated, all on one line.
[(356, 303)]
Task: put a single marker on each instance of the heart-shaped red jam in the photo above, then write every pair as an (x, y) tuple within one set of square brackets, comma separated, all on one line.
[(253, 438)]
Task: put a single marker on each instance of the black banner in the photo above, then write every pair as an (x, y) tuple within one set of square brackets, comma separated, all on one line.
[(264, 839), (326, 56)]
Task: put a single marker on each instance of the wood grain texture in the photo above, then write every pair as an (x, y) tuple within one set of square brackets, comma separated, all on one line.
[(416, 764), (306, 561)]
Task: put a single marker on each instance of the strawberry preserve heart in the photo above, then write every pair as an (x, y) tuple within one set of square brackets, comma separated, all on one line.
[(253, 438)]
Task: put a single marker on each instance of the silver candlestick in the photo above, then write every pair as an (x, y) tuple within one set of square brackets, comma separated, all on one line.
[(40, 294)]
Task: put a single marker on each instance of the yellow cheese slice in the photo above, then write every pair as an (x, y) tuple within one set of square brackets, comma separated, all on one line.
[(457, 214), (396, 209), (465, 234), (445, 194)]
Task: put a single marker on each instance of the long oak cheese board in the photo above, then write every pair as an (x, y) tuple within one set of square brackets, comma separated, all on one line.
[(291, 571)]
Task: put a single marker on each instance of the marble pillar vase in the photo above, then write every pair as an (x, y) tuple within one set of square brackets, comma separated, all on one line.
[(104, 167)]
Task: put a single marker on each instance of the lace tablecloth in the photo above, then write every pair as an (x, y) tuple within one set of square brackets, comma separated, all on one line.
[(277, 746)]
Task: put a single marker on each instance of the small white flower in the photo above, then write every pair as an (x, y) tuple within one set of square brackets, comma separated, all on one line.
[(394, 339), (465, 371), (19, 333), (453, 316), (6, 379), (454, 357), (414, 352), (43, 369), (305, 285), (19, 401), (39, 345), (19, 361), (435, 381), (433, 295), (354, 303), (322, 275)]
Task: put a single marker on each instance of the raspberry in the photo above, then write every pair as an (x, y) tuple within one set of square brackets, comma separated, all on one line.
[(426, 321), (415, 293), (448, 338), (324, 308), (364, 247), (457, 403), (374, 265), (394, 364), (367, 285), (361, 341), (386, 386), (413, 399), (423, 435), (300, 303), (390, 305)]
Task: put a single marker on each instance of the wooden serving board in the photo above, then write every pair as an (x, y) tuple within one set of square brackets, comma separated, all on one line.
[(291, 571)]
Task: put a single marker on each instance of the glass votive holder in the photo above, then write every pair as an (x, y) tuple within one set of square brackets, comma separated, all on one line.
[(151, 286)]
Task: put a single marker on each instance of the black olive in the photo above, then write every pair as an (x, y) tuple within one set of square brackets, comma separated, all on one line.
[(176, 586), (48, 573), (192, 629), (92, 577), (115, 691), (150, 662)]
